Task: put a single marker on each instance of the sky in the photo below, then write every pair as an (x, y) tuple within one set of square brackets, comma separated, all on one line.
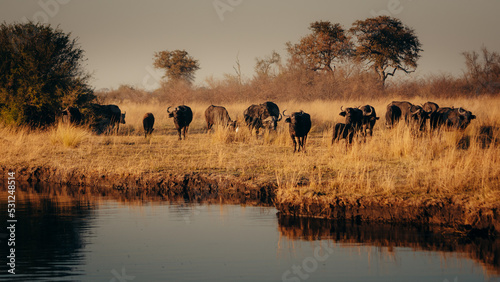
[(120, 37)]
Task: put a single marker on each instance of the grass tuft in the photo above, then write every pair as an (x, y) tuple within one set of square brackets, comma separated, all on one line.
[(68, 135)]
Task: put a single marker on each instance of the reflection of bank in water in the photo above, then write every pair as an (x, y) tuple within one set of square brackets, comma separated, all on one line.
[(387, 237), (49, 220)]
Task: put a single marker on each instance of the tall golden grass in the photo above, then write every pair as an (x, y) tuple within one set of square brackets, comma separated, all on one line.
[(395, 162), (68, 135)]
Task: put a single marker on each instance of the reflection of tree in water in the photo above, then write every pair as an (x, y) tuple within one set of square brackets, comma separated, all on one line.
[(50, 231), (484, 250)]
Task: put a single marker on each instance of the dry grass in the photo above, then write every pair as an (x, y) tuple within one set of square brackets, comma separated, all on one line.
[(393, 162), (68, 135)]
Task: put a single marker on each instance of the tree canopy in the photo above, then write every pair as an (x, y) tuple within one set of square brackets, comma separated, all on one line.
[(178, 65), (41, 73), (319, 50), (387, 44)]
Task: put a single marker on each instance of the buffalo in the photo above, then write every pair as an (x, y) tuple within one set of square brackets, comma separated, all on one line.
[(299, 126), (72, 115), (182, 118), (353, 117), (392, 115), (451, 118), (274, 113), (102, 118), (369, 119), (343, 131), (218, 115), (430, 107), (410, 113), (265, 115), (148, 122)]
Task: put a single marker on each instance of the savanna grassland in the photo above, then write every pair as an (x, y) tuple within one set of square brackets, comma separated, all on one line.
[(398, 162)]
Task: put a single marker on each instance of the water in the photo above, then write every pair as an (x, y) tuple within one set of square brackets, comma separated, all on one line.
[(61, 238)]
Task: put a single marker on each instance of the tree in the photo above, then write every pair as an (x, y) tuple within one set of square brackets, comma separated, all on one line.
[(264, 66), (386, 44), (41, 73), (318, 51), (483, 75), (178, 65)]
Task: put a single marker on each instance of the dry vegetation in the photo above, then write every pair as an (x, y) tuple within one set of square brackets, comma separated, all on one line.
[(393, 162)]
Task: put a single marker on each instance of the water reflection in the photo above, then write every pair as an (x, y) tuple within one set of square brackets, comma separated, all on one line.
[(81, 234), (484, 250), (51, 232)]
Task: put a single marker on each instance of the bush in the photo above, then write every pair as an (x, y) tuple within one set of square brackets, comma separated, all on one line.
[(41, 74)]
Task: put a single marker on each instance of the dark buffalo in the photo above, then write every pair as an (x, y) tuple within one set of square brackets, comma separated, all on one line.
[(369, 119), (430, 107), (72, 115), (148, 121), (218, 115), (103, 118), (300, 124), (392, 115), (458, 118), (274, 113), (265, 115), (182, 118), (451, 118), (412, 114), (254, 115), (343, 131), (353, 117), (439, 116)]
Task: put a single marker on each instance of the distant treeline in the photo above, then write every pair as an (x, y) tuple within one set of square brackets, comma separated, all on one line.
[(42, 72), (349, 82)]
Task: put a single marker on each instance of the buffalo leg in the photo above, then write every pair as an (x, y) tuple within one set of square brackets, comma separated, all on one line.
[(304, 139), (185, 130), (294, 144), (350, 135)]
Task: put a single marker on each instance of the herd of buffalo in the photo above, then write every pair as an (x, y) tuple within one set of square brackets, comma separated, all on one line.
[(358, 120)]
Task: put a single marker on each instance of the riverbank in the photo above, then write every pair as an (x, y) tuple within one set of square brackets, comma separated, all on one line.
[(448, 178), (192, 187), (463, 214)]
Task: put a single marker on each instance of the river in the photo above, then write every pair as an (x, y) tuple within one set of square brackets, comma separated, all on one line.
[(60, 237)]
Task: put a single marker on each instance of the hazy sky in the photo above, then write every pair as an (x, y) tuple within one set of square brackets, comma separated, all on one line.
[(120, 37)]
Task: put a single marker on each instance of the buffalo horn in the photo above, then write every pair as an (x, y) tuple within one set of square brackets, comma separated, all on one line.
[(168, 109), (369, 113)]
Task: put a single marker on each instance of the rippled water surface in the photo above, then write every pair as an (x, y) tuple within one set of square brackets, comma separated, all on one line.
[(108, 240)]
